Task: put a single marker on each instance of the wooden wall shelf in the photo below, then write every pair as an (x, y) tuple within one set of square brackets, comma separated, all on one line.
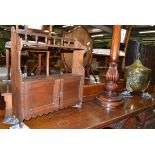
[(33, 96)]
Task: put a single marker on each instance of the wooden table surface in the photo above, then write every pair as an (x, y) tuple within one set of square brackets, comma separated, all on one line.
[(91, 115)]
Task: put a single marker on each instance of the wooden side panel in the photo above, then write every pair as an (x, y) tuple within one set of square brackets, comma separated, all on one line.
[(40, 97), (16, 75)]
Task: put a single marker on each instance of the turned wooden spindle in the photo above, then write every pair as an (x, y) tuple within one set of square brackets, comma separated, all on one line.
[(111, 99)]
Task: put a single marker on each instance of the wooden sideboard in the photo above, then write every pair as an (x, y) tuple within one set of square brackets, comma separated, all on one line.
[(135, 113)]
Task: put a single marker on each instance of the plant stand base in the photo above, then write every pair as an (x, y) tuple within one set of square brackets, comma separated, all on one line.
[(110, 101)]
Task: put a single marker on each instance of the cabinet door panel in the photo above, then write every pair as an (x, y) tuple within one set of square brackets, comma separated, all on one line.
[(70, 91), (39, 98)]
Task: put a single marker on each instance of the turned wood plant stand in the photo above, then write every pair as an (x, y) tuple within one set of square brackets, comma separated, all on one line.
[(111, 99)]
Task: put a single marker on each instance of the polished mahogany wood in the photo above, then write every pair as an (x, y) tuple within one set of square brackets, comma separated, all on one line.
[(112, 73), (110, 98), (116, 37), (92, 115)]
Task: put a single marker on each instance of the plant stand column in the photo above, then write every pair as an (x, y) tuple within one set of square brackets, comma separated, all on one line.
[(110, 98)]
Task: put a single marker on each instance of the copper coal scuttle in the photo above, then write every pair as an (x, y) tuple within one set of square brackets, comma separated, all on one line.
[(137, 77)]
